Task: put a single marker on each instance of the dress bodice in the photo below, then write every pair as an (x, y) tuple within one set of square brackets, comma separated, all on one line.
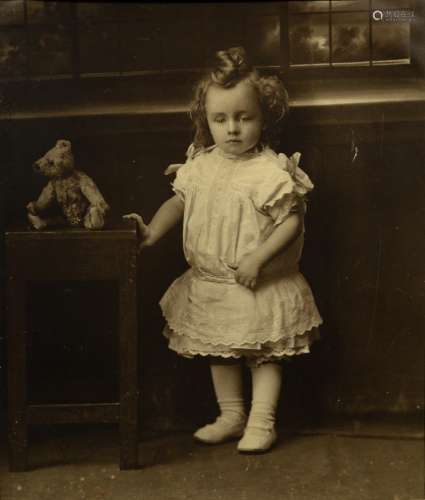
[(232, 204)]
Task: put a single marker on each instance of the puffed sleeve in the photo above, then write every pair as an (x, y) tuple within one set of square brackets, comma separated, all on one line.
[(182, 181), (183, 173), (283, 190)]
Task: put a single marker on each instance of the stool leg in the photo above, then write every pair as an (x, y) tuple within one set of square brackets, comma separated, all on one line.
[(129, 373), (17, 375)]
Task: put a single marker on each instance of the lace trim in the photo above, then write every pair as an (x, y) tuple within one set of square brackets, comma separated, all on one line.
[(227, 355), (186, 330), (253, 358)]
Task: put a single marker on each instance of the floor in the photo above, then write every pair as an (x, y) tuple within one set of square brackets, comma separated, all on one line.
[(351, 462)]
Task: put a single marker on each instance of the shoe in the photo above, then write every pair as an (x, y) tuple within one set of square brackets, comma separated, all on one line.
[(257, 440), (220, 431)]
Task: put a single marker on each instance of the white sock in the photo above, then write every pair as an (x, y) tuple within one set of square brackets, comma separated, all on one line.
[(232, 410), (227, 381), (262, 415), (266, 385)]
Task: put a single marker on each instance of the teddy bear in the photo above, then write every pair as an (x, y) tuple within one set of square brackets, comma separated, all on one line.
[(71, 190)]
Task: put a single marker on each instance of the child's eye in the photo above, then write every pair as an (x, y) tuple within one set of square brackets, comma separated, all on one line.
[(219, 120), (246, 118)]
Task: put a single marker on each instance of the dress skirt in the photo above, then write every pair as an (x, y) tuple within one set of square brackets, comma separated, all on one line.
[(214, 316)]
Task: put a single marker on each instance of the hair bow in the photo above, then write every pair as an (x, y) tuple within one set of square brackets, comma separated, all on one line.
[(237, 55)]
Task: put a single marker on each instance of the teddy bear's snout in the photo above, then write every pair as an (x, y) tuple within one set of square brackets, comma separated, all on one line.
[(36, 166), (41, 165)]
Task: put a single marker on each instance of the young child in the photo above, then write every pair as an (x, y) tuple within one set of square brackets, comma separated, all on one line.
[(242, 207)]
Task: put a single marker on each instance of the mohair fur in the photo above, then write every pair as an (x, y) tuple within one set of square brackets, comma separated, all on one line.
[(74, 192)]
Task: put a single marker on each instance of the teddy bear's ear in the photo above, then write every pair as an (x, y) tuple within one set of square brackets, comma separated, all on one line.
[(63, 143)]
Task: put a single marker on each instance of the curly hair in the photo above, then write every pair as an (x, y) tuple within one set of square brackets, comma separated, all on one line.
[(231, 68)]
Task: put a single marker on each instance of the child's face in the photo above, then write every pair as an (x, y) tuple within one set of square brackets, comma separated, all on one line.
[(234, 117)]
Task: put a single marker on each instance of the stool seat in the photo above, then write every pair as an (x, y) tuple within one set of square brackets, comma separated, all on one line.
[(81, 255)]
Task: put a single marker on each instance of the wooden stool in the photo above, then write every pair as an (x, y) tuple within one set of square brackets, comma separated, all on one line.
[(72, 254)]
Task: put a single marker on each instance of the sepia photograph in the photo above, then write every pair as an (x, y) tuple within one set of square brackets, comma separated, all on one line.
[(211, 250)]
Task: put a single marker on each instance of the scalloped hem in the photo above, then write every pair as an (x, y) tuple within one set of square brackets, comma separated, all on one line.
[(250, 361), (186, 330), (283, 348)]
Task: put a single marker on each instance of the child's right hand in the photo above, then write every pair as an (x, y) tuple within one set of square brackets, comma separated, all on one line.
[(144, 231)]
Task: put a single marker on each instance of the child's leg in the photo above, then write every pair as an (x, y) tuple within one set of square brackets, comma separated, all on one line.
[(260, 433), (227, 381), (266, 386)]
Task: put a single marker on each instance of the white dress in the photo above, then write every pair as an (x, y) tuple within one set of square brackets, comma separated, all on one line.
[(231, 205)]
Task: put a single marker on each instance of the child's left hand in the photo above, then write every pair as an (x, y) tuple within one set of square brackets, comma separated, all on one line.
[(247, 271)]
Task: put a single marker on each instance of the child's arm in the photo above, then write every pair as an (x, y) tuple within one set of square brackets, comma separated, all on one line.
[(284, 234), (167, 216)]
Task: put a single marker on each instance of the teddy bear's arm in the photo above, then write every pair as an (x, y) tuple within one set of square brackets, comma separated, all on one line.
[(46, 198), (91, 192)]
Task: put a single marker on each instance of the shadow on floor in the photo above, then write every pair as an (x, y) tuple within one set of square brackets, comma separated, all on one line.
[(73, 462)]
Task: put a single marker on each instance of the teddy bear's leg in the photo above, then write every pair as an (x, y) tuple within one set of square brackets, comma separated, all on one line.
[(36, 221), (94, 218), (92, 193), (40, 223)]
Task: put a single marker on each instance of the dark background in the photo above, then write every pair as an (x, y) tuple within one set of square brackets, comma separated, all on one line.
[(363, 253)]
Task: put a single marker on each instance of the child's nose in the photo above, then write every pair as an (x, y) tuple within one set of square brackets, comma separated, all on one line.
[(233, 127)]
